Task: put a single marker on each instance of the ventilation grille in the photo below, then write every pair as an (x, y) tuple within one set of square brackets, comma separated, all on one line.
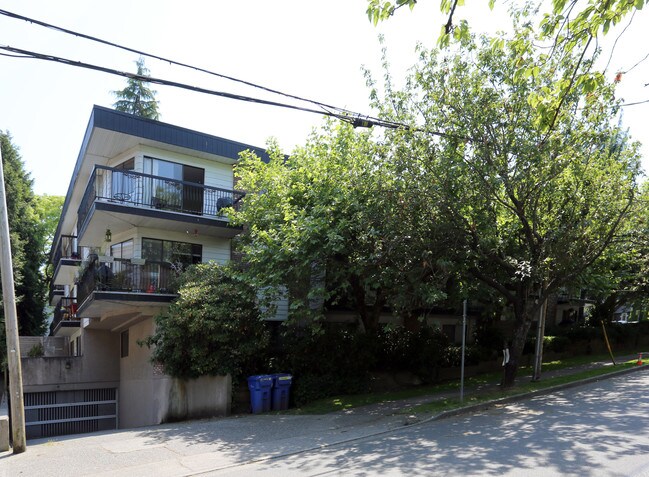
[(57, 413)]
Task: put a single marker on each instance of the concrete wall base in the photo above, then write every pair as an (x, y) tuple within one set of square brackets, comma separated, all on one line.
[(4, 424)]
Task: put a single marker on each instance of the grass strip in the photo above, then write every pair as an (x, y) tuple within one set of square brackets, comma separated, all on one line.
[(338, 403), (447, 404)]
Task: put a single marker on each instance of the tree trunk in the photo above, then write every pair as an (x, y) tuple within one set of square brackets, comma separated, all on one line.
[(369, 315), (523, 322)]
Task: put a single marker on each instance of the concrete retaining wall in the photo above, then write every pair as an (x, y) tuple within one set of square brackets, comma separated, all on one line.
[(97, 368), (51, 345), (148, 397), (4, 422)]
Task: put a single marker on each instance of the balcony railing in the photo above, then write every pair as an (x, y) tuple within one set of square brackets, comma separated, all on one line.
[(56, 290), (144, 190), (66, 248), (66, 310), (122, 275)]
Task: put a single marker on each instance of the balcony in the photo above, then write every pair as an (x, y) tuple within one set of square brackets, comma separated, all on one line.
[(65, 320), (56, 293), (117, 199), (114, 291), (65, 260)]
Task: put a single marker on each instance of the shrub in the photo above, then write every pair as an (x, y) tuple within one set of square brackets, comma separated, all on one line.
[(558, 344), (215, 327), (37, 351), (324, 361)]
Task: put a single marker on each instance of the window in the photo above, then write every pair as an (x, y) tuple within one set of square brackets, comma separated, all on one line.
[(122, 250), (178, 193), (124, 344), (165, 259), (166, 251), (123, 183)]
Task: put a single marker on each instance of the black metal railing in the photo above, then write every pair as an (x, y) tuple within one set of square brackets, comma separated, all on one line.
[(155, 192), (65, 310), (66, 247), (122, 275), (58, 290)]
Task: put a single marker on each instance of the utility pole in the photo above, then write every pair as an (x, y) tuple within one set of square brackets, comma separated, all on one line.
[(540, 335), (11, 326), (463, 350)]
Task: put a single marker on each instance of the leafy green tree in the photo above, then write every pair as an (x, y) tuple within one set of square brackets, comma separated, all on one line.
[(48, 209), (621, 275), (137, 98), (574, 22), (572, 27), (338, 223), (535, 198), (215, 327), (26, 241)]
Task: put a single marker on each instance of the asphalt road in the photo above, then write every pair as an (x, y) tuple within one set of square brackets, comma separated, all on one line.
[(601, 429)]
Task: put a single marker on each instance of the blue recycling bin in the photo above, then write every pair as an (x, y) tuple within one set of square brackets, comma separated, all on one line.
[(260, 388), (281, 391)]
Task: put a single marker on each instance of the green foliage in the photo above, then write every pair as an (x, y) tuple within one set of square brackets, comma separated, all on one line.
[(569, 25), (339, 222), (36, 351), (621, 275), (534, 192), (215, 327), (422, 352), (48, 209), (27, 241), (137, 98), (379, 10), (325, 361), (331, 360), (558, 344)]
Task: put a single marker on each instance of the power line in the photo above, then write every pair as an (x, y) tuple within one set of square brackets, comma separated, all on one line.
[(150, 79), (355, 119), (167, 60), (634, 104)]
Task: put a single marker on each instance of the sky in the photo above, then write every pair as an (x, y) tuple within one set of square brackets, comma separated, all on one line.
[(311, 49)]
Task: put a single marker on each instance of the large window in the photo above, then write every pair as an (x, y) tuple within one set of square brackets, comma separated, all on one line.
[(167, 251), (166, 258)]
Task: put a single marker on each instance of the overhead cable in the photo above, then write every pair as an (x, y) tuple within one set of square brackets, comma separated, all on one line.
[(167, 60), (356, 120)]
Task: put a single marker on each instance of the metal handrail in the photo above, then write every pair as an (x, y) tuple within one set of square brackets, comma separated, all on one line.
[(65, 310), (121, 275), (137, 189)]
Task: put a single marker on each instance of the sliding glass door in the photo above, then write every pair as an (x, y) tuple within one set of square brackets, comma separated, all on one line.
[(175, 194)]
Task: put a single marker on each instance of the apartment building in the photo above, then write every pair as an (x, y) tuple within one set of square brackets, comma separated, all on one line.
[(146, 200)]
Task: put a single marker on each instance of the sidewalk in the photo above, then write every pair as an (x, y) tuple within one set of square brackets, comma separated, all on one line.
[(189, 448)]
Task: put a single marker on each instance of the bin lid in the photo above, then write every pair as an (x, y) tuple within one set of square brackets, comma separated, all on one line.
[(260, 377)]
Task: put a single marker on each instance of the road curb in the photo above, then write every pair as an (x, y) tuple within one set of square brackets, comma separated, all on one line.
[(519, 397), (443, 415)]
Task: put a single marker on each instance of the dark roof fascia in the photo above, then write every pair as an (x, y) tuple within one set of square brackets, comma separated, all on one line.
[(106, 118)]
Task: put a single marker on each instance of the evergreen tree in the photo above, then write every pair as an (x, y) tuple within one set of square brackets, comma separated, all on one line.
[(26, 241), (137, 98)]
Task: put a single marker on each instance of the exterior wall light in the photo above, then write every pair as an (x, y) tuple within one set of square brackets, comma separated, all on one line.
[(109, 235)]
